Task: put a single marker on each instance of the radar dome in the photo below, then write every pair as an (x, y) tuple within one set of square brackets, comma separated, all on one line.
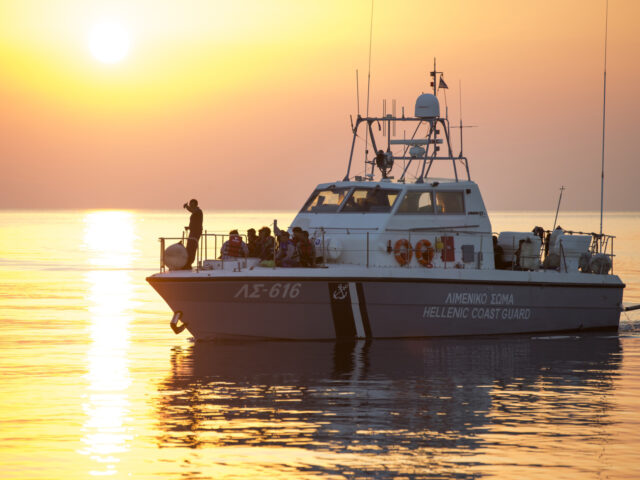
[(427, 106)]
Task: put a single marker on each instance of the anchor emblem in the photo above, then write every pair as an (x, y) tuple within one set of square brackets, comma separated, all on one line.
[(340, 293)]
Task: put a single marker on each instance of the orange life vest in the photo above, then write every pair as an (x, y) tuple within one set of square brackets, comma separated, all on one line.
[(234, 246)]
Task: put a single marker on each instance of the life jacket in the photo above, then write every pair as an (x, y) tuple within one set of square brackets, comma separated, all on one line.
[(234, 246)]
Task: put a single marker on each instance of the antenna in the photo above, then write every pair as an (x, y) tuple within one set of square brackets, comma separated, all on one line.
[(460, 104), (562, 189), (604, 109), (358, 91), (384, 114), (393, 112), (461, 126), (446, 105), (435, 79), (366, 141)]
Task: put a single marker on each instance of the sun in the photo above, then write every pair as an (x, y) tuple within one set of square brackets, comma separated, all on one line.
[(109, 42)]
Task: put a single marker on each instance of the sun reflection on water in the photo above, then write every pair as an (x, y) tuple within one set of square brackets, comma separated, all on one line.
[(109, 241)]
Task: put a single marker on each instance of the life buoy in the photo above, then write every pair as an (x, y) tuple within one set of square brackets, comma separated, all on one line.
[(402, 251), (424, 253)]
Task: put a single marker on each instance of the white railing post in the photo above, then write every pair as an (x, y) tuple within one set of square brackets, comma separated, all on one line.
[(162, 254)]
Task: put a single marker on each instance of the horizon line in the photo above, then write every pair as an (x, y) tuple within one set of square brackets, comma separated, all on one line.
[(222, 210)]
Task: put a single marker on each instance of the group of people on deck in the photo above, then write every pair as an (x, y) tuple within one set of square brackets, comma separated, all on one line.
[(296, 250)]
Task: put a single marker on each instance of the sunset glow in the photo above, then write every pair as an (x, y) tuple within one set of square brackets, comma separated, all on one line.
[(446, 280), (109, 42), (149, 88)]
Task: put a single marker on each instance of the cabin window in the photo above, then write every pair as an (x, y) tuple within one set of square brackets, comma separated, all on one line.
[(372, 200), (325, 201), (417, 202), (449, 202)]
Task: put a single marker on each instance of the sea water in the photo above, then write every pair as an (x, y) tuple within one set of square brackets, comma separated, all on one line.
[(94, 383)]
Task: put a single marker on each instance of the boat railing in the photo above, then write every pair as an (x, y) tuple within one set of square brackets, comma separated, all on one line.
[(362, 246), (202, 253), (601, 244), (360, 252), (163, 244), (369, 242), (218, 240)]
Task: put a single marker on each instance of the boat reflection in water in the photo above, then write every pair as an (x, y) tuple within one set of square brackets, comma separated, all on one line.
[(447, 407)]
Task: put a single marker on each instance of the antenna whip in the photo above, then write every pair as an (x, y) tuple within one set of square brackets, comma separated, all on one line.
[(358, 91), (366, 138), (555, 220), (604, 109)]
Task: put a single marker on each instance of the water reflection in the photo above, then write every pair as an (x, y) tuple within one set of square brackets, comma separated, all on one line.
[(108, 239), (447, 408)]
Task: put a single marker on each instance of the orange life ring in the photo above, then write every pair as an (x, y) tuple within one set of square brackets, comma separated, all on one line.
[(425, 253), (403, 252)]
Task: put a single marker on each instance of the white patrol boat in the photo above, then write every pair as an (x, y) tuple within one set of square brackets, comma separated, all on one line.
[(404, 257)]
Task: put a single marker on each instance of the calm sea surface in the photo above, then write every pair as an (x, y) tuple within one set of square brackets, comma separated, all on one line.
[(94, 383)]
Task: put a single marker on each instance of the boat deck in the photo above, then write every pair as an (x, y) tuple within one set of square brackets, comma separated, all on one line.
[(356, 272)]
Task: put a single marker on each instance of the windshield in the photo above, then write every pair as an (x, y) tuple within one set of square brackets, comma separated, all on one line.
[(325, 201), (374, 200)]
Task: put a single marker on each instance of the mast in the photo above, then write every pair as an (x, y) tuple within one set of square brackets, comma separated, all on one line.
[(604, 109), (460, 93), (435, 78), (424, 149), (366, 135), (555, 220)]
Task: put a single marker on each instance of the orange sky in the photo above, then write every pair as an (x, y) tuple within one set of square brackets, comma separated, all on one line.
[(245, 105)]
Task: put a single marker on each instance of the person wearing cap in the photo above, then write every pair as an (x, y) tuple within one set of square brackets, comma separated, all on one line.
[(195, 231)]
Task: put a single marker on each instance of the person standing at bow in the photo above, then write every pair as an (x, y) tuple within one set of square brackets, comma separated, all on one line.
[(195, 231)]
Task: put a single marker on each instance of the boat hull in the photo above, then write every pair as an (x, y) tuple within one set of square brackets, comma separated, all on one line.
[(329, 308)]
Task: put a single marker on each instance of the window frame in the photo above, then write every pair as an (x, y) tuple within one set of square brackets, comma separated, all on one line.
[(433, 193), (317, 192), (391, 207), (462, 196), (408, 192)]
